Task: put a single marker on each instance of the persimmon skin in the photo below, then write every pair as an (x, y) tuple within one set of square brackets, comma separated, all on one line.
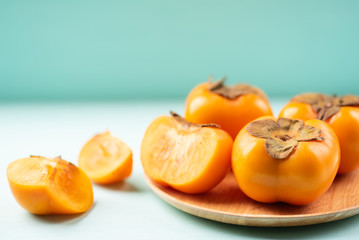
[(203, 106), (299, 179), (50, 195), (297, 110), (120, 174), (106, 159), (166, 152), (345, 124)]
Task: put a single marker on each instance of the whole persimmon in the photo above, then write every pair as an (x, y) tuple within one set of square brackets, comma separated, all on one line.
[(285, 160), (192, 158), (231, 107), (341, 113), (49, 186)]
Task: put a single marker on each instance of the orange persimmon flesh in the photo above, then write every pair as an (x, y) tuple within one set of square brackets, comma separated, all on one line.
[(188, 157), (106, 159), (49, 186)]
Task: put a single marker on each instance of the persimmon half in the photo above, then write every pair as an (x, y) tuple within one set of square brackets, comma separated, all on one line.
[(106, 159), (192, 158), (285, 160), (49, 186), (231, 107), (341, 113)]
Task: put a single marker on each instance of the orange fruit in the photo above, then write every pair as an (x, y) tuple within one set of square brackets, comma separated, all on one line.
[(106, 159), (49, 186)]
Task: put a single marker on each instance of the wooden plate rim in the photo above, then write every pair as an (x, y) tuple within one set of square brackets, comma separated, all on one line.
[(249, 219)]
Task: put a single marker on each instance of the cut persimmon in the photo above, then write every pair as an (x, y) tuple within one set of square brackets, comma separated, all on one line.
[(49, 186), (106, 159), (192, 158)]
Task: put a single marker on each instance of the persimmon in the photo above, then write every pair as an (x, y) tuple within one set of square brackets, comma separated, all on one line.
[(285, 160), (106, 159), (49, 186), (231, 107), (341, 113), (192, 158)]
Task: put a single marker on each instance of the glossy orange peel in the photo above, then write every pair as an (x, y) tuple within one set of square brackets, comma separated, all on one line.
[(231, 107), (301, 175), (341, 113)]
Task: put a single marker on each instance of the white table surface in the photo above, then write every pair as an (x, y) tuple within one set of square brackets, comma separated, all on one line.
[(122, 211)]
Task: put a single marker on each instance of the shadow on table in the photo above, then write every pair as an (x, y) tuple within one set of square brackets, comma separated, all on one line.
[(70, 218)]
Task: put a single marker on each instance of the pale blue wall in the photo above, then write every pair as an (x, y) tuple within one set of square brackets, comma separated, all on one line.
[(70, 49)]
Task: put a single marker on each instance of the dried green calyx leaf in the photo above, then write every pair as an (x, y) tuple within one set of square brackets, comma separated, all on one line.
[(235, 91), (283, 136), (280, 149), (324, 105), (187, 124)]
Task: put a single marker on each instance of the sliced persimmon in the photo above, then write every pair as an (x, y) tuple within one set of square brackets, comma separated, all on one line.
[(189, 157), (106, 159), (49, 186)]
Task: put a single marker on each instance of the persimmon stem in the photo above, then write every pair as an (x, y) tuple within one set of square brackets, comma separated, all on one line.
[(235, 91), (324, 105), (187, 124)]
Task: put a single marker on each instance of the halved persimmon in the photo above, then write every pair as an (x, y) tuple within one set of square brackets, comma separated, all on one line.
[(49, 186), (189, 157), (106, 159), (231, 107)]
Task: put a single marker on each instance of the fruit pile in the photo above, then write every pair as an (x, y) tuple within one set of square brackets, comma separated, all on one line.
[(293, 158)]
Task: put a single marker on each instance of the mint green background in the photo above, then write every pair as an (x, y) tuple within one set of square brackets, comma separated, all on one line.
[(83, 50)]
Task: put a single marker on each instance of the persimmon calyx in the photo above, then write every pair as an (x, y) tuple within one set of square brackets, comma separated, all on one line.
[(283, 136), (235, 91), (187, 124), (324, 105)]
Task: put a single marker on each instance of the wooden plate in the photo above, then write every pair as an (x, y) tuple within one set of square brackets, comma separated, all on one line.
[(227, 203)]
